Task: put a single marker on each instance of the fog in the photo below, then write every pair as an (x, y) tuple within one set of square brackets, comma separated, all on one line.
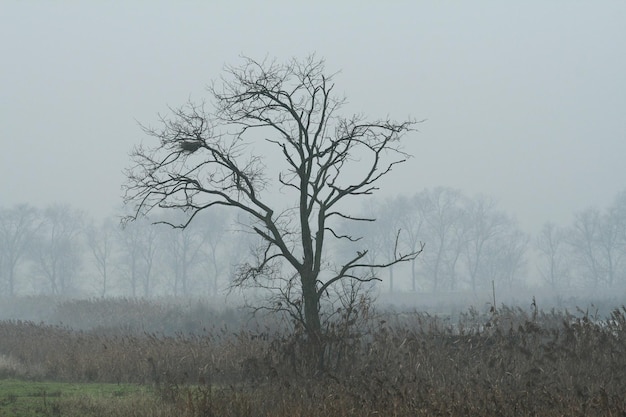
[(522, 103)]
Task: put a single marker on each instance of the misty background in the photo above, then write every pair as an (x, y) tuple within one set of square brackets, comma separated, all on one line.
[(524, 110)]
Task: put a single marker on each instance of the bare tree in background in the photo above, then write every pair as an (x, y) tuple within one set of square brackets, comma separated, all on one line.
[(100, 240), (583, 237), (554, 262), (57, 251), (618, 211), (596, 241), (485, 223), (505, 256), (18, 227), (184, 249), (219, 244), (139, 247), (412, 224), (274, 128), (444, 225), (383, 235), (398, 224)]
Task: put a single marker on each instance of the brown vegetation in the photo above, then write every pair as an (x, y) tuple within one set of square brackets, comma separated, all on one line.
[(409, 364)]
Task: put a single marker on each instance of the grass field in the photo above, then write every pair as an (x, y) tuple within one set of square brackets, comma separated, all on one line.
[(21, 398)]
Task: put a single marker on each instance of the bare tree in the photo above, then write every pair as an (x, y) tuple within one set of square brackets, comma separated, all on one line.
[(274, 128), (398, 222), (444, 225), (554, 262), (597, 241), (612, 247), (412, 224), (100, 240), (57, 252), (18, 227), (618, 211), (485, 224), (139, 246), (617, 215), (149, 249), (219, 243), (583, 237), (505, 255), (383, 235), (184, 249)]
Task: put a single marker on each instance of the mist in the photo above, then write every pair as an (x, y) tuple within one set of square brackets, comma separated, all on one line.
[(523, 106)]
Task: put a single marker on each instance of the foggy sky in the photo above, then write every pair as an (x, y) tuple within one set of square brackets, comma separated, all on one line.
[(525, 103)]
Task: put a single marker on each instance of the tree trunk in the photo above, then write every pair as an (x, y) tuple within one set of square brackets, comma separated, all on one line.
[(312, 320), (311, 307)]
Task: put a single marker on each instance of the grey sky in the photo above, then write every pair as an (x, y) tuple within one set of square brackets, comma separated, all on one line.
[(524, 102)]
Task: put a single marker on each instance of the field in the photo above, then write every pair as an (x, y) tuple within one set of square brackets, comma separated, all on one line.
[(32, 398), (134, 358)]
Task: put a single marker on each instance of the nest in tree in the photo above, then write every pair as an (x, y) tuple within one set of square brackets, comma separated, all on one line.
[(190, 145)]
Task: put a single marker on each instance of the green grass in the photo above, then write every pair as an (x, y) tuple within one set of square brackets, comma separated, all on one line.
[(28, 399)]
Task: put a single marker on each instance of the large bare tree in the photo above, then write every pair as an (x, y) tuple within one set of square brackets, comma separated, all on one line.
[(272, 144)]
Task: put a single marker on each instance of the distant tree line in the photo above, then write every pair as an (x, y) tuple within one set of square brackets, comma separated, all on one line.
[(590, 252), (60, 251), (469, 241)]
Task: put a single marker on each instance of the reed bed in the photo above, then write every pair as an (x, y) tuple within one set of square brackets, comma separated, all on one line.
[(511, 362)]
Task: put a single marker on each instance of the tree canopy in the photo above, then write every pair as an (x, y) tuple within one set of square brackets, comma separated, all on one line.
[(275, 128)]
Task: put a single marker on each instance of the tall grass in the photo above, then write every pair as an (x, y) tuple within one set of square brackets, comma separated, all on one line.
[(409, 364)]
